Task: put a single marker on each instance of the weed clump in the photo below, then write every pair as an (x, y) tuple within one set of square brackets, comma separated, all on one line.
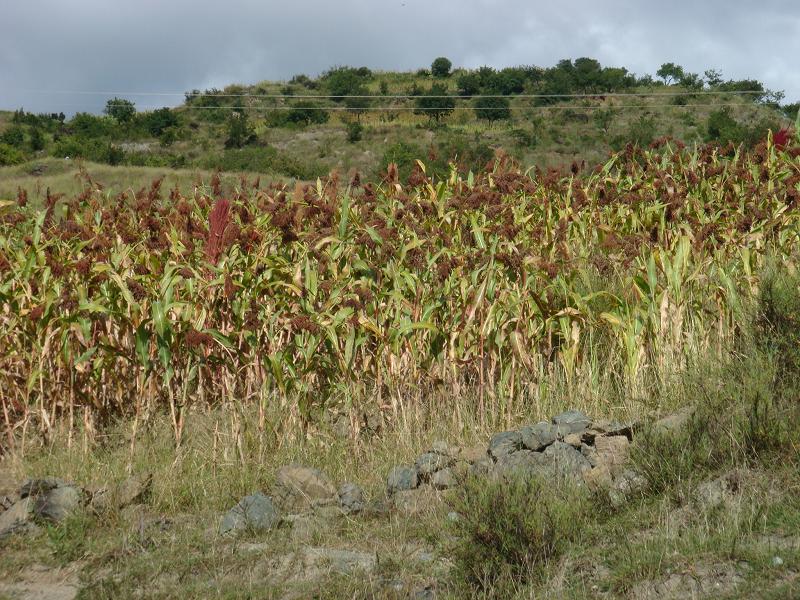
[(509, 530)]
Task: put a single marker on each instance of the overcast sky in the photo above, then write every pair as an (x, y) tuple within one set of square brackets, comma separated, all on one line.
[(50, 47)]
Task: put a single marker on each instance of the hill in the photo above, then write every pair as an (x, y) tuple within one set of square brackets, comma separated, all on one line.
[(355, 120)]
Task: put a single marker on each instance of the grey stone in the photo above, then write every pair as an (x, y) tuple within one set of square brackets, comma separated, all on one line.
[(523, 463), (255, 512), (58, 503), (300, 489), (572, 421), (711, 494), (628, 484), (505, 443), (566, 461), (36, 487), (131, 491), (444, 479), (17, 518), (401, 479), (481, 467), (538, 437), (333, 560), (430, 462), (675, 423), (351, 498)]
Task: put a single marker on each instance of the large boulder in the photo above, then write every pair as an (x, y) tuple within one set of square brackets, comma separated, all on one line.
[(571, 421), (351, 498), (565, 461), (52, 499), (429, 463), (300, 489)]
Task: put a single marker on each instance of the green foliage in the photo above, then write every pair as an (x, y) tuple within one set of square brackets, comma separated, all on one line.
[(354, 131), (13, 136), (404, 155), (509, 530), (346, 81), (436, 104), (90, 126), (640, 132), (239, 131), (37, 139), (9, 155), (307, 113), (158, 121), (670, 73), (120, 109), (722, 127), (441, 66), (262, 159), (713, 77), (492, 108)]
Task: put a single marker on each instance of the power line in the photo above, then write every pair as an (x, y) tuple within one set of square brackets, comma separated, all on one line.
[(399, 96)]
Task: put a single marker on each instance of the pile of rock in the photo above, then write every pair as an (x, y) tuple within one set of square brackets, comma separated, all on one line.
[(302, 496), (52, 500), (571, 446)]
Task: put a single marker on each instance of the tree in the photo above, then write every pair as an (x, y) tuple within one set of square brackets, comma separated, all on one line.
[(37, 139), (159, 120), (120, 109), (670, 73), (441, 67), (239, 133), (13, 136), (346, 81), (436, 104), (307, 113), (358, 106), (492, 108), (713, 77)]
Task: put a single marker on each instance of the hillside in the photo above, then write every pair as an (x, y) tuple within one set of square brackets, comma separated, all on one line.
[(354, 120)]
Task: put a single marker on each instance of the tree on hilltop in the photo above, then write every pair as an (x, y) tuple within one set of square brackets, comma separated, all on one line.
[(436, 103), (120, 109), (670, 73), (441, 67)]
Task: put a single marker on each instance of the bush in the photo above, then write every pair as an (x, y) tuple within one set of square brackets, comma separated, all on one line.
[(436, 104), (509, 530), (492, 109), (441, 67), (403, 155), (158, 121), (120, 109), (9, 155), (354, 131), (13, 136), (306, 113)]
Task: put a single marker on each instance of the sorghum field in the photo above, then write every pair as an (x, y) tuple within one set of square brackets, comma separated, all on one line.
[(168, 301), (208, 338)]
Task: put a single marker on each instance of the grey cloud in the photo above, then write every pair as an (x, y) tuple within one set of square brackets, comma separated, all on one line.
[(173, 46)]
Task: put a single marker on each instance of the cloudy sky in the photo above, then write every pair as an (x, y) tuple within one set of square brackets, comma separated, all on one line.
[(50, 49)]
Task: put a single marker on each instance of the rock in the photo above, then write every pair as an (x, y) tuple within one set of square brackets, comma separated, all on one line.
[(574, 440), (444, 479), (445, 449), (131, 491), (612, 451), (255, 512), (712, 494), (572, 421), (523, 463), (505, 443), (429, 463), (58, 503), (332, 560), (566, 461), (378, 507), (299, 489), (37, 487), (351, 498), (306, 527), (482, 467), (674, 423), (599, 478), (473, 454), (612, 427), (625, 486), (590, 453), (401, 479), (17, 518), (538, 437), (414, 502)]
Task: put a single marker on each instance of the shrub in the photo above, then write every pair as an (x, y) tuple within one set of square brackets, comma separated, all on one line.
[(13, 136), (354, 131), (239, 131), (9, 155), (120, 109), (492, 109), (508, 530), (307, 113), (436, 104), (157, 121), (441, 66), (403, 155)]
